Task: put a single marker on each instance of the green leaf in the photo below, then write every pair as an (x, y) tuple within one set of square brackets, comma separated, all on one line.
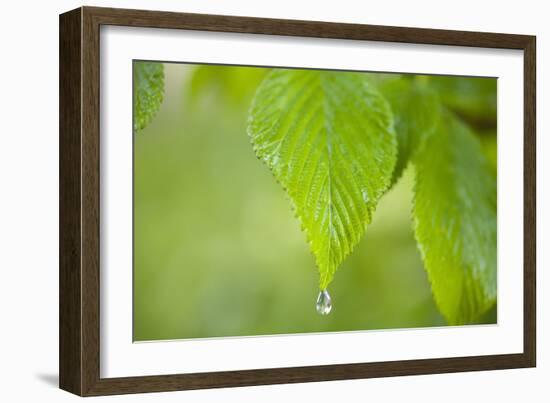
[(328, 138), (416, 110), (148, 92), (489, 145), (472, 98), (455, 221)]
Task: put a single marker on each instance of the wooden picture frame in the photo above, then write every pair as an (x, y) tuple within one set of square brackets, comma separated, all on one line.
[(79, 348)]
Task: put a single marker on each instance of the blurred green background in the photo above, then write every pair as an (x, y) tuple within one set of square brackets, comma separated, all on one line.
[(217, 250)]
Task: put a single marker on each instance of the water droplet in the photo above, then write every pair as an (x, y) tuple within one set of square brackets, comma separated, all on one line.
[(324, 303)]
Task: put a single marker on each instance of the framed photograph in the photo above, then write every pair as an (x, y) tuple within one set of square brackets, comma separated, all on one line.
[(248, 201)]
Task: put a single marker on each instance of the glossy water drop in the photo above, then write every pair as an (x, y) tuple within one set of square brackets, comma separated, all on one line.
[(324, 303)]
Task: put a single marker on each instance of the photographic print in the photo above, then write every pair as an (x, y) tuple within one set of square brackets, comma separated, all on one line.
[(252, 201), (272, 201)]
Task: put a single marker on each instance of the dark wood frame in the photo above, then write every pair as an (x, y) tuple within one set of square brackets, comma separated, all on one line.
[(80, 185)]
